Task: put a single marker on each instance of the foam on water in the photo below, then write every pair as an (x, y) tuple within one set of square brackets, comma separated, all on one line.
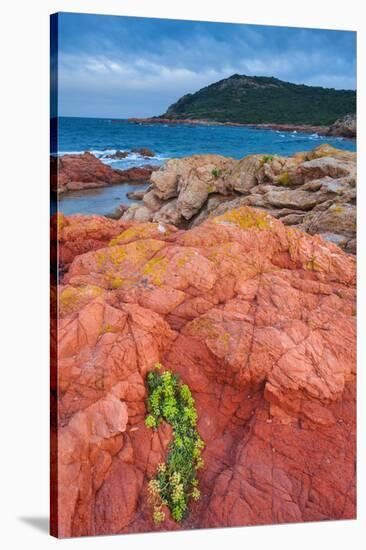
[(132, 160)]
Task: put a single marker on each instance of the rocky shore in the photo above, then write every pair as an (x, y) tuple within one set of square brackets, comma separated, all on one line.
[(345, 127), (85, 171), (321, 130), (256, 316), (314, 191)]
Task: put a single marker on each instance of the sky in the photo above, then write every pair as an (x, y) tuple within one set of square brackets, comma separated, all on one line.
[(114, 66)]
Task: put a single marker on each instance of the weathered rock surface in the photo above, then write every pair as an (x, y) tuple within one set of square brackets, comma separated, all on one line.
[(346, 127), (258, 318), (78, 234), (187, 191), (85, 171)]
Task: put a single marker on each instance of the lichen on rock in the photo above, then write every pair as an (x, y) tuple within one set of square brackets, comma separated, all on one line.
[(258, 318), (187, 191)]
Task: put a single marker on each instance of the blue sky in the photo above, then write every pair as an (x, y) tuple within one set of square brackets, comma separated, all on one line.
[(113, 66)]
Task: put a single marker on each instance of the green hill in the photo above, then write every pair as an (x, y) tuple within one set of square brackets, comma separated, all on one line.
[(260, 99)]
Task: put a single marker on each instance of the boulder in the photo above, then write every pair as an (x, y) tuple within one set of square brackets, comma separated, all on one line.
[(338, 219), (118, 155), (136, 195), (345, 127), (118, 212), (144, 152), (138, 174), (326, 150), (85, 171), (152, 201), (298, 199), (327, 166), (137, 213), (243, 175), (259, 320), (192, 178), (168, 213), (203, 186)]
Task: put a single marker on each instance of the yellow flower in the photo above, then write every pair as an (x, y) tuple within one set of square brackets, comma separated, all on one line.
[(158, 515), (154, 487), (161, 468)]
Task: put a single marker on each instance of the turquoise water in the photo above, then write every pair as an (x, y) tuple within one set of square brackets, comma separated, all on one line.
[(103, 137)]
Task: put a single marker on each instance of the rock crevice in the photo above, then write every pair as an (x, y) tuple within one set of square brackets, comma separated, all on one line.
[(258, 318)]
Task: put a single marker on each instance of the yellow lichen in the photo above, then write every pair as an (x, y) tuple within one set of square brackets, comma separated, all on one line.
[(60, 222), (134, 252), (245, 218), (284, 179), (137, 232), (72, 298), (204, 327), (324, 150), (116, 282), (155, 269), (312, 264), (224, 339), (109, 328)]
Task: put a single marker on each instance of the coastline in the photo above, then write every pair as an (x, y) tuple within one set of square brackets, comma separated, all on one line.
[(307, 128)]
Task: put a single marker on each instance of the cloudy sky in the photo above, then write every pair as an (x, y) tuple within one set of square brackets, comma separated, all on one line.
[(112, 66)]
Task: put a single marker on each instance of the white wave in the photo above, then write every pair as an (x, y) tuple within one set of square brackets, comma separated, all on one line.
[(94, 152), (132, 158), (62, 153)]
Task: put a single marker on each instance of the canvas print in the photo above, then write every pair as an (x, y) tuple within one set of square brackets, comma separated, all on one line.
[(203, 290)]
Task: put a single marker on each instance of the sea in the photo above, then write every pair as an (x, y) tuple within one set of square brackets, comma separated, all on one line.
[(103, 137)]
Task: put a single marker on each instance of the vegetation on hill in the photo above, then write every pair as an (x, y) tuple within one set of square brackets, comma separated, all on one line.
[(261, 100)]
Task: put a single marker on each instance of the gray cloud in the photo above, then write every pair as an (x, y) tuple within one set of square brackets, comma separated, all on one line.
[(121, 66)]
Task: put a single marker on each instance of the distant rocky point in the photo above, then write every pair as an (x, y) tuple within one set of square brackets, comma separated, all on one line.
[(264, 100), (345, 127)]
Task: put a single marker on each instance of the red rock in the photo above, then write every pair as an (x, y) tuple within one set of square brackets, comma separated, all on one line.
[(82, 172), (144, 152), (78, 234), (137, 174), (85, 171), (259, 319)]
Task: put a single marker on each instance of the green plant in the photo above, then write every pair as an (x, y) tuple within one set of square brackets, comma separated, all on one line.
[(175, 481), (266, 158), (216, 172)]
